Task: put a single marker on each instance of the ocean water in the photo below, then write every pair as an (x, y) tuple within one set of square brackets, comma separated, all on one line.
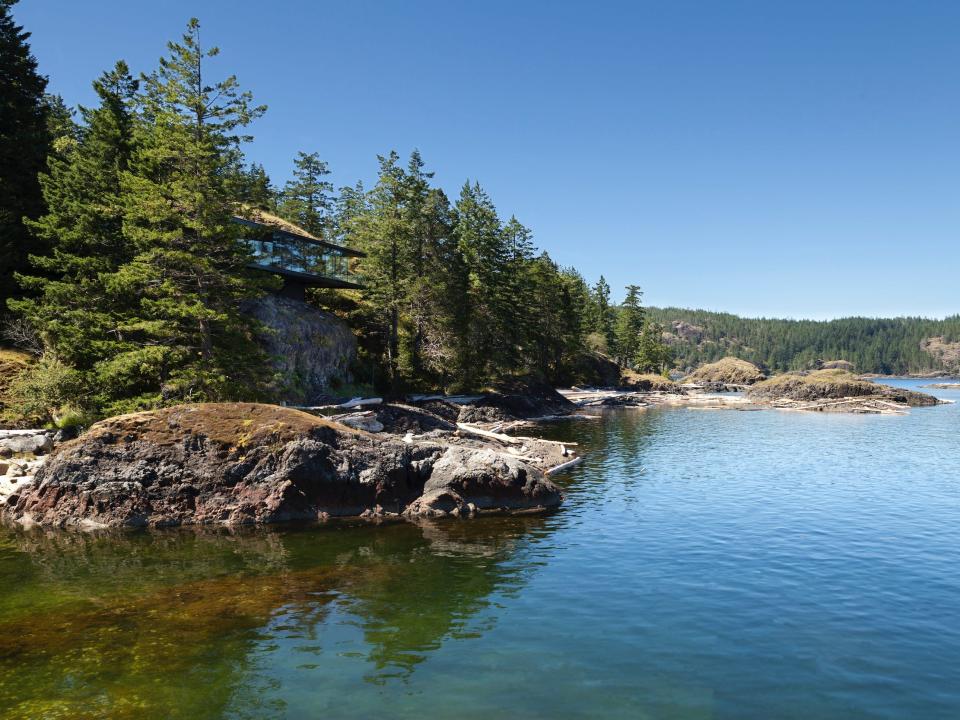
[(706, 564)]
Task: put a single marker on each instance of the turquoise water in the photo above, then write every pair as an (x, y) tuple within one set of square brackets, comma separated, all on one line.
[(706, 564)]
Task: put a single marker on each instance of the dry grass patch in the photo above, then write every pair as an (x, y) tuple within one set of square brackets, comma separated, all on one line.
[(12, 363), (646, 381), (728, 370), (832, 385)]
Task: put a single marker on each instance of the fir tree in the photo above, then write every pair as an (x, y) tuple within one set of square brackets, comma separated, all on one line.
[(653, 355), (250, 185), (185, 335), (629, 325), (61, 126), (603, 314), (68, 305), (484, 340), (381, 233), (24, 145), (307, 199), (432, 262), (521, 307)]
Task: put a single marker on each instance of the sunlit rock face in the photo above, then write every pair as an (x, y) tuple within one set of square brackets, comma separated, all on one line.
[(310, 349), (242, 463)]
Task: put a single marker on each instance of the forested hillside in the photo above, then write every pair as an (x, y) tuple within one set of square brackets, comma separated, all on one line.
[(873, 345), (125, 276)]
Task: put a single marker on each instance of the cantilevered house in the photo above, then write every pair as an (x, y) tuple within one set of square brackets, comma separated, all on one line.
[(302, 260)]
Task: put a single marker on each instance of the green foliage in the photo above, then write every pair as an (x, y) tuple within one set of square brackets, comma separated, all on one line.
[(25, 141), (629, 326), (652, 354), (602, 316), (183, 333), (45, 388), (68, 303), (138, 294), (454, 297), (142, 292), (307, 199), (873, 345)]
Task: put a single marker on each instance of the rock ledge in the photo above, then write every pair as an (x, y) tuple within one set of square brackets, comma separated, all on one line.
[(239, 463)]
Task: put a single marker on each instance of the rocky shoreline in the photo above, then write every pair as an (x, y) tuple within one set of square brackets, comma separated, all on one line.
[(432, 456), (237, 463)]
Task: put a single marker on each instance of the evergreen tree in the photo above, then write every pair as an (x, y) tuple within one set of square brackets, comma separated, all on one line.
[(653, 355), (185, 337), (250, 185), (68, 305), (521, 306), (483, 338), (307, 199), (557, 316), (603, 314), (429, 302), (381, 233), (629, 325), (61, 126), (24, 145)]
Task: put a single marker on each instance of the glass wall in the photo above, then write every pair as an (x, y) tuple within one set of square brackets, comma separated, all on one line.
[(286, 253)]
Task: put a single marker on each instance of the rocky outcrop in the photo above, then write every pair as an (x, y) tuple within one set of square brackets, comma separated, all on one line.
[(517, 399), (239, 463), (464, 481), (727, 371), (310, 349), (596, 369), (837, 365), (943, 351), (648, 382), (23, 442), (835, 390)]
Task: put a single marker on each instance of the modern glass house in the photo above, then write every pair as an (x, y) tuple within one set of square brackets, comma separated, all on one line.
[(302, 260)]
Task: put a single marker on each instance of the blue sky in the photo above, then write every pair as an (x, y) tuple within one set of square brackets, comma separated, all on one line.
[(773, 158)]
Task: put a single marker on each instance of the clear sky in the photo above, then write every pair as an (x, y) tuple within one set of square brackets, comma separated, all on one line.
[(767, 157)]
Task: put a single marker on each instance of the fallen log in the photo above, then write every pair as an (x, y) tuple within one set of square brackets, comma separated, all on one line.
[(563, 466), (480, 432)]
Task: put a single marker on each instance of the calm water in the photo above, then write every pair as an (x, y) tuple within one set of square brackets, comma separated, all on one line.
[(707, 564)]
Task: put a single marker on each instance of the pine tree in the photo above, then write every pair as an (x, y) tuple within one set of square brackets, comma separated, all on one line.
[(185, 334), (68, 304), (24, 145)]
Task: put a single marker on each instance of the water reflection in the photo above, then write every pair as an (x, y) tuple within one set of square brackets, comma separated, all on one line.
[(160, 624)]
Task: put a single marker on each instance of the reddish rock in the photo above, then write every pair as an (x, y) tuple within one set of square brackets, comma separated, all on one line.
[(250, 463)]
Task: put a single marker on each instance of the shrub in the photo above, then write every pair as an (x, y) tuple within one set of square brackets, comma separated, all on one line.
[(45, 388)]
